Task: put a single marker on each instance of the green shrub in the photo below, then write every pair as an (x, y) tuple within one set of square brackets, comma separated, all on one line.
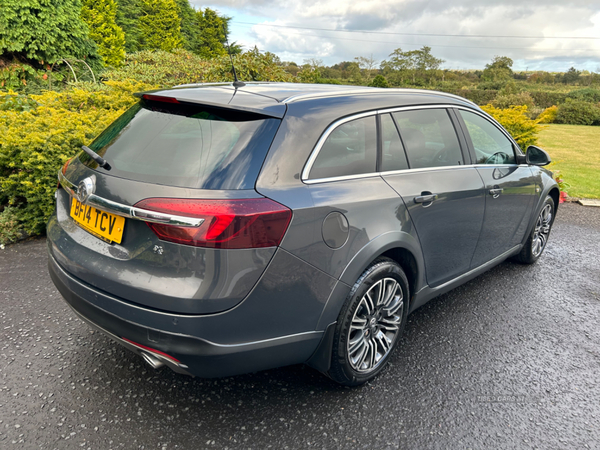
[(587, 95), (327, 81), (515, 120), (508, 100), (548, 115), (477, 96), (166, 69), (379, 81), (35, 143), (9, 226), (578, 112), (545, 99)]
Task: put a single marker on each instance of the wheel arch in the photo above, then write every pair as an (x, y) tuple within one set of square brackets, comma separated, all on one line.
[(400, 247), (555, 194)]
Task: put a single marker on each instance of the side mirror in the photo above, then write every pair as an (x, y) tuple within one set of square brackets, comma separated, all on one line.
[(535, 156)]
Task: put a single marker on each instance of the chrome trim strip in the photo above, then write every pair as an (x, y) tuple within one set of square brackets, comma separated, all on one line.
[(342, 178), (325, 135), (130, 212), (334, 125)]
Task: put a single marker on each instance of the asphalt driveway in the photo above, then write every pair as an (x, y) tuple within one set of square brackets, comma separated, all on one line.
[(509, 360)]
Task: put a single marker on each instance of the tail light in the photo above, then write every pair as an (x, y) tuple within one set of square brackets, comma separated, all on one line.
[(64, 169), (228, 224)]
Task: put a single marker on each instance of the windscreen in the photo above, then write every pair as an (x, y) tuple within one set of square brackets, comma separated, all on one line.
[(186, 145)]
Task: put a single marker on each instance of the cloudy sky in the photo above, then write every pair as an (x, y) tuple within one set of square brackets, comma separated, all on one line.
[(467, 34)]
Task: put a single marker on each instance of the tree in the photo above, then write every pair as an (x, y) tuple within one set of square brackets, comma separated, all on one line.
[(500, 69), (44, 30), (128, 18), (160, 25), (100, 16), (212, 35), (190, 29), (571, 76), (415, 62), (367, 65)]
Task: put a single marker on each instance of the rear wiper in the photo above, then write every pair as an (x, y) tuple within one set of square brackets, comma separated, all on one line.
[(96, 157)]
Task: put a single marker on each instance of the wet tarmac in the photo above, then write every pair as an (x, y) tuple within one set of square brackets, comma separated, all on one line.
[(509, 360)]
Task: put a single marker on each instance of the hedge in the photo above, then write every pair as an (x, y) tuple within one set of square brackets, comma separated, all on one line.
[(36, 141), (515, 120)]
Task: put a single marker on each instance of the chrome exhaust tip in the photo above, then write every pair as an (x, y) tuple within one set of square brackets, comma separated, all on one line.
[(154, 362)]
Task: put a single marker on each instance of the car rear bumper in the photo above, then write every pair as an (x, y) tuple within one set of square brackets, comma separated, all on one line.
[(184, 352)]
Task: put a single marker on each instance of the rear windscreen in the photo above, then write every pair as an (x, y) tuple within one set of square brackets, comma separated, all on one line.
[(186, 146)]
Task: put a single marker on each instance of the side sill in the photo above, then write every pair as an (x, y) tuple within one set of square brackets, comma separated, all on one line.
[(427, 293)]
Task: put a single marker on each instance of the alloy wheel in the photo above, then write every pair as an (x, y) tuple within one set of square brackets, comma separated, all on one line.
[(541, 231), (375, 325)]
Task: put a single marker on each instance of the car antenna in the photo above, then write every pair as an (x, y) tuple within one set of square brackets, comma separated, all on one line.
[(237, 83)]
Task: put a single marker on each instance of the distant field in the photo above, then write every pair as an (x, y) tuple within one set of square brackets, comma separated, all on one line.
[(576, 151)]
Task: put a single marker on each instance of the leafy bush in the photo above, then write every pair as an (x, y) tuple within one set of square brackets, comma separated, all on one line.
[(327, 81), (379, 81), (37, 140), (587, 95), (548, 115), (165, 69), (477, 96), (523, 129), (578, 112), (9, 226), (545, 99), (562, 185), (508, 100)]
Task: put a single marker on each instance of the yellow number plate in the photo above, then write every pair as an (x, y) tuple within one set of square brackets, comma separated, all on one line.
[(100, 223)]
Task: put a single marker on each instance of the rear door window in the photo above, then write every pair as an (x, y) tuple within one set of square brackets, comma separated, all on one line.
[(186, 146), (350, 149), (429, 138)]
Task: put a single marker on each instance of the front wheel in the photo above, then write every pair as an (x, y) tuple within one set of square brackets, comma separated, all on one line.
[(536, 243), (370, 323)]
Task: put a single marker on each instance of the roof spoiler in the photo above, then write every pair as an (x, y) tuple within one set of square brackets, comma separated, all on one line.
[(154, 96)]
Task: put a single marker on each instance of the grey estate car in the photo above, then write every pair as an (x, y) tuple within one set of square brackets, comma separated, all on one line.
[(218, 229)]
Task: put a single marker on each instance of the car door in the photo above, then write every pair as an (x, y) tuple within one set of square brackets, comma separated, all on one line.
[(509, 187), (429, 168)]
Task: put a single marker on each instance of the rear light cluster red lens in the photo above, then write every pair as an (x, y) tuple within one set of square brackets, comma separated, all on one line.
[(228, 224), (64, 169)]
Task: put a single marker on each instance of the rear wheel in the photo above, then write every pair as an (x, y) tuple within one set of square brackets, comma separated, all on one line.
[(370, 323), (536, 243)]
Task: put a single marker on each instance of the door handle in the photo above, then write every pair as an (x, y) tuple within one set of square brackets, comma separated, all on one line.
[(496, 192), (426, 198)]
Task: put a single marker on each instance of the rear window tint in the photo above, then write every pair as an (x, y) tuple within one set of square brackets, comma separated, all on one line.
[(350, 149), (186, 146)]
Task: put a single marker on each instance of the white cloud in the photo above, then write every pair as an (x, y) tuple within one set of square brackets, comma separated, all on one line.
[(553, 18)]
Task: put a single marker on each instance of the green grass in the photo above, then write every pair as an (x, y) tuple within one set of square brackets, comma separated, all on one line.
[(575, 151)]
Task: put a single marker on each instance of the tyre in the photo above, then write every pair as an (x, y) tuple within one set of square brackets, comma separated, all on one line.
[(370, 323), (536, 243)]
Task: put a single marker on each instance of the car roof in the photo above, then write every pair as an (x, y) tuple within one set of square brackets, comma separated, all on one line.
[(269, 98)]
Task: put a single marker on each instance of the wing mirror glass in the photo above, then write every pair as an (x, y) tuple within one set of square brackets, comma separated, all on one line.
[(535, 156)]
